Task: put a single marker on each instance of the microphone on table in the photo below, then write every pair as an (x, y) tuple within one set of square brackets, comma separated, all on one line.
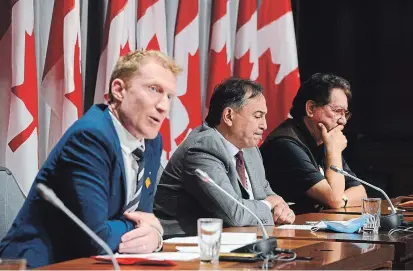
[(387, 222), (265, 246), (8, 172), (51, 197)]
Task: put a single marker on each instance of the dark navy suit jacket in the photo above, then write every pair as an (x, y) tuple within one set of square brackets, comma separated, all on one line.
[(86, 171)]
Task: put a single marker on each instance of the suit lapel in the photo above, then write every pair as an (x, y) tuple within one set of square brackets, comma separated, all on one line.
[(235, 182), (118, 153), (252, 174)]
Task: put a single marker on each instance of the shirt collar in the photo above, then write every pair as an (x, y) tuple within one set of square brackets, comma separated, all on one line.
[(128, 142), (231, 148)]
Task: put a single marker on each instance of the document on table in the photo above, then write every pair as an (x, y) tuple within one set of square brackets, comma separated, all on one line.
[(195, 249), (227, 238), (156, 256), (307, 227), (295, 227)]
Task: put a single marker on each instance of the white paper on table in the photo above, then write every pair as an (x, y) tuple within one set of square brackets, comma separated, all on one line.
[(172, 256), (227, 238), (296, 227), (195, 249)]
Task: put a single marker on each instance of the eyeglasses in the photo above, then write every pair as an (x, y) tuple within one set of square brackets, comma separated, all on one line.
[(340, 111)]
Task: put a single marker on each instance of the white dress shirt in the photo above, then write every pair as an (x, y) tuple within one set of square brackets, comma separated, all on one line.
[(232, 151), (128, 144)]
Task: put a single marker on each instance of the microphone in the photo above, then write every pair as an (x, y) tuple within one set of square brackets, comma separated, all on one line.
[(387, 222), (8, 172), (265, 246), (51, 197)]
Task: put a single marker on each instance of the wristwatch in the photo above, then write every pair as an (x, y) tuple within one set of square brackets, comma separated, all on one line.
[(344, 197)]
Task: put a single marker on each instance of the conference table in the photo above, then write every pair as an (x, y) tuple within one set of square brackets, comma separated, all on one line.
[(324, 255), (385, 209), (402, 242), (329, 250)]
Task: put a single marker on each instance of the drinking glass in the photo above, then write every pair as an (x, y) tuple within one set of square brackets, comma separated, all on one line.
[(371, 207), (209, 235)]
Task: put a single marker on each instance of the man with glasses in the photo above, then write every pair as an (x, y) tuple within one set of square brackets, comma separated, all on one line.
[(298, 153)]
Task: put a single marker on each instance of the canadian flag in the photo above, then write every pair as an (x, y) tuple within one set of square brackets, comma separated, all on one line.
[(118, 40), (151, 25), (219, 46), (186, 107), (22, 133), (278, 64), (151, 35), (62, 81), (245, 52)]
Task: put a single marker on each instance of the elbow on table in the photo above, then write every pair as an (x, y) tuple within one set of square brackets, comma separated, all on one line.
[(335, 203)]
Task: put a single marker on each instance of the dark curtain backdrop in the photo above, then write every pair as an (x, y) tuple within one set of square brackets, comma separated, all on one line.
[(370, 43)]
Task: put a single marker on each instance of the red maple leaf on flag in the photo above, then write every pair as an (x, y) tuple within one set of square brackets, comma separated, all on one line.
[(191, 99), (278, 102), (243, 66), (27, 92), (76, 95), (223, 70), (153, 44), (125, 49)]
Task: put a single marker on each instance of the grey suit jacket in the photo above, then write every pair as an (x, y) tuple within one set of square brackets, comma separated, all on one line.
[(182, 198)]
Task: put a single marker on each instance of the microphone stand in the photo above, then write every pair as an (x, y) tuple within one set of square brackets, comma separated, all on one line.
[(51, 197), (387, 222), (264, 247)]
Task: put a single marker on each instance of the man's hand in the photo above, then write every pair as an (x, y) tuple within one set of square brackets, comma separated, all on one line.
[(143, 239), (275, 200), (334, 140), (139, 217), (282, 213)]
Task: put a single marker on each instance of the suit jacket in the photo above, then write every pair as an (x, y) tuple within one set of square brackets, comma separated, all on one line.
[(86, 171), (182, 198)]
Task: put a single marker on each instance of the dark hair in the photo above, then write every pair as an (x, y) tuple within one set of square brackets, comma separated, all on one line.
[(230, 93), (318, 89)]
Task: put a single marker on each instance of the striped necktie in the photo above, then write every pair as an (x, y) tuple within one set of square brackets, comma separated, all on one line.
[(240, 165), (139, 157)]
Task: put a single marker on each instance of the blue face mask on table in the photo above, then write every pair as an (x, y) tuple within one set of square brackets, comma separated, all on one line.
[(350, 226)]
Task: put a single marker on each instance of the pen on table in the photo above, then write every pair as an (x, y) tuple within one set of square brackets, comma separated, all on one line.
[(398, 209), (312, 222)]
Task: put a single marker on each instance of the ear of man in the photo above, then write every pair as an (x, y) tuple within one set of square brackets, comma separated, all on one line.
[(310, 107), (227, 116), (117, 88)]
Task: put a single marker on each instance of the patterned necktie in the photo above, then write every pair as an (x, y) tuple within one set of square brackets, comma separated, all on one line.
[(134, 203), (240, 165)]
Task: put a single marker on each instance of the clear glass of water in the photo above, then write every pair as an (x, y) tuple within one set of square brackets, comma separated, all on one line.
[(209, 236), (371, 207)]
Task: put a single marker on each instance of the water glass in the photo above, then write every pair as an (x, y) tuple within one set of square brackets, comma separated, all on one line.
[(209, 235), (371, 207)]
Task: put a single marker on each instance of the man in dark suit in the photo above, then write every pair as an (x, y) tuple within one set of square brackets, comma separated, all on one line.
[(225, 147), (104, 170)]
